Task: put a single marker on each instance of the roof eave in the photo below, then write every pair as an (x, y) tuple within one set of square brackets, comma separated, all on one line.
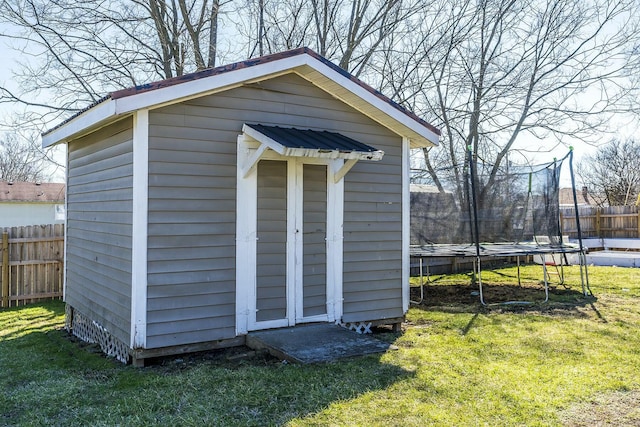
[(384, 113), (93, 118), (306, 65)]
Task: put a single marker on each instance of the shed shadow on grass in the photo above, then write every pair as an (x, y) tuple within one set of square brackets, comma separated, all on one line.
[(235, 386), (260, 389)]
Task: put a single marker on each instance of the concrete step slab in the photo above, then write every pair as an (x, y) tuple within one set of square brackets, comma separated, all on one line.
[(315, 343)]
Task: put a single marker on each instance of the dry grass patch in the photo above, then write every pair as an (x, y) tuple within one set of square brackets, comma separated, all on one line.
[(610, 409)]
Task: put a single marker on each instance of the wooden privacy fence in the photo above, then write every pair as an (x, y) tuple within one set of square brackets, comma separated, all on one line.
[(32, 263), (608, 222)]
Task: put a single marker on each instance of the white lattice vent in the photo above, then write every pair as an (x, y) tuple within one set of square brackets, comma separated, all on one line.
[(359, 327), (92, 332)]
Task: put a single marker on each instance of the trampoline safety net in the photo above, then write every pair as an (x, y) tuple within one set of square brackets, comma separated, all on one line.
[(509, 204)]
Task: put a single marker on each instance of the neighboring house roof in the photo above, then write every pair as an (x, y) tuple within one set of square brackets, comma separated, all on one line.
[(31, 192), (303, 62), (423, 188), (583, 197)]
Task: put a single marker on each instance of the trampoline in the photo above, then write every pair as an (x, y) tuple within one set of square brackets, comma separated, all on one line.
[(501, 212)]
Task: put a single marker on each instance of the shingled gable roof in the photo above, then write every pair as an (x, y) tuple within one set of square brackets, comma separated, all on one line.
[(303, 61)]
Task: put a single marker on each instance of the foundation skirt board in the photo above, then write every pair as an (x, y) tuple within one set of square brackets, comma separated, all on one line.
[(315, 343)]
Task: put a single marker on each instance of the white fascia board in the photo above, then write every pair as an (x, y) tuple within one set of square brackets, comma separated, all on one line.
[(90, 118), (376, 102), (334, 154), (179, 92), (200, 87)]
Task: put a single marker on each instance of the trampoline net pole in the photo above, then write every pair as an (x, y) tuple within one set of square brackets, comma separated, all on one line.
[(584, 278)]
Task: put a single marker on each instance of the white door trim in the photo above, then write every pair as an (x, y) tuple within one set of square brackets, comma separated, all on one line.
[(335, 218), (246, 234), (246, 239), (294, 240)]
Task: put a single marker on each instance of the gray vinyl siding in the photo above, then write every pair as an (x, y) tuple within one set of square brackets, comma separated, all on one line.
[(192, 202), (314, 233), (372, 271), (99, 218), (191, 232), (271, 262)]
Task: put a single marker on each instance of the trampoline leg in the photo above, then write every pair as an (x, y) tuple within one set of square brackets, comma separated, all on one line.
[(477, 271), (584, 275), (428, 274), (546, 282), (561, 273), (421, 285), (518, 261), (422, 281)]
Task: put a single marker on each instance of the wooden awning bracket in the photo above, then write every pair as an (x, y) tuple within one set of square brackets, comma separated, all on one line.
[(252, 161), (346, 167)]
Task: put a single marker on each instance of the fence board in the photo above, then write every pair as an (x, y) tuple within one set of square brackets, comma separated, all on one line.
[(607, 222), (32, 264)]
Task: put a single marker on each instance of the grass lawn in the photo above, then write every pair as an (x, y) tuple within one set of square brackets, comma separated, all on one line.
[(572, 361)]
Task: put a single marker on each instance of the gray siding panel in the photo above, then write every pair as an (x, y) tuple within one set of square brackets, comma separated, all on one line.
[(373, 235), (192, 184), (191, 234), (271, 263), (99, 209), (314, 249)]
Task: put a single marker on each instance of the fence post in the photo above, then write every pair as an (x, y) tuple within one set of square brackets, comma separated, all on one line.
[(5, 269), (639, 222), (598, 222)]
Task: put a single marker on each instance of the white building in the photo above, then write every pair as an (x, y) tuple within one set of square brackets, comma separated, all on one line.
[(28, 203)]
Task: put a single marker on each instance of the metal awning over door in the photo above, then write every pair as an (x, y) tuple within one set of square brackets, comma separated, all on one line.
[(293, 142)]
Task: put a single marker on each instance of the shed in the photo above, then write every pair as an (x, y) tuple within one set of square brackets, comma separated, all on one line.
[(31, 203), (262, 194)]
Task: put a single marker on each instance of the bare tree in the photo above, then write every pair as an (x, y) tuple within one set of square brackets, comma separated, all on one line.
[(501, 76), (612, 174), (75, 52), (269, 26), (349, 32), (496, 73), (22, 160)]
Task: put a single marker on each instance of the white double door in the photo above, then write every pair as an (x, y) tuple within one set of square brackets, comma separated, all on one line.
[(290, 273)]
